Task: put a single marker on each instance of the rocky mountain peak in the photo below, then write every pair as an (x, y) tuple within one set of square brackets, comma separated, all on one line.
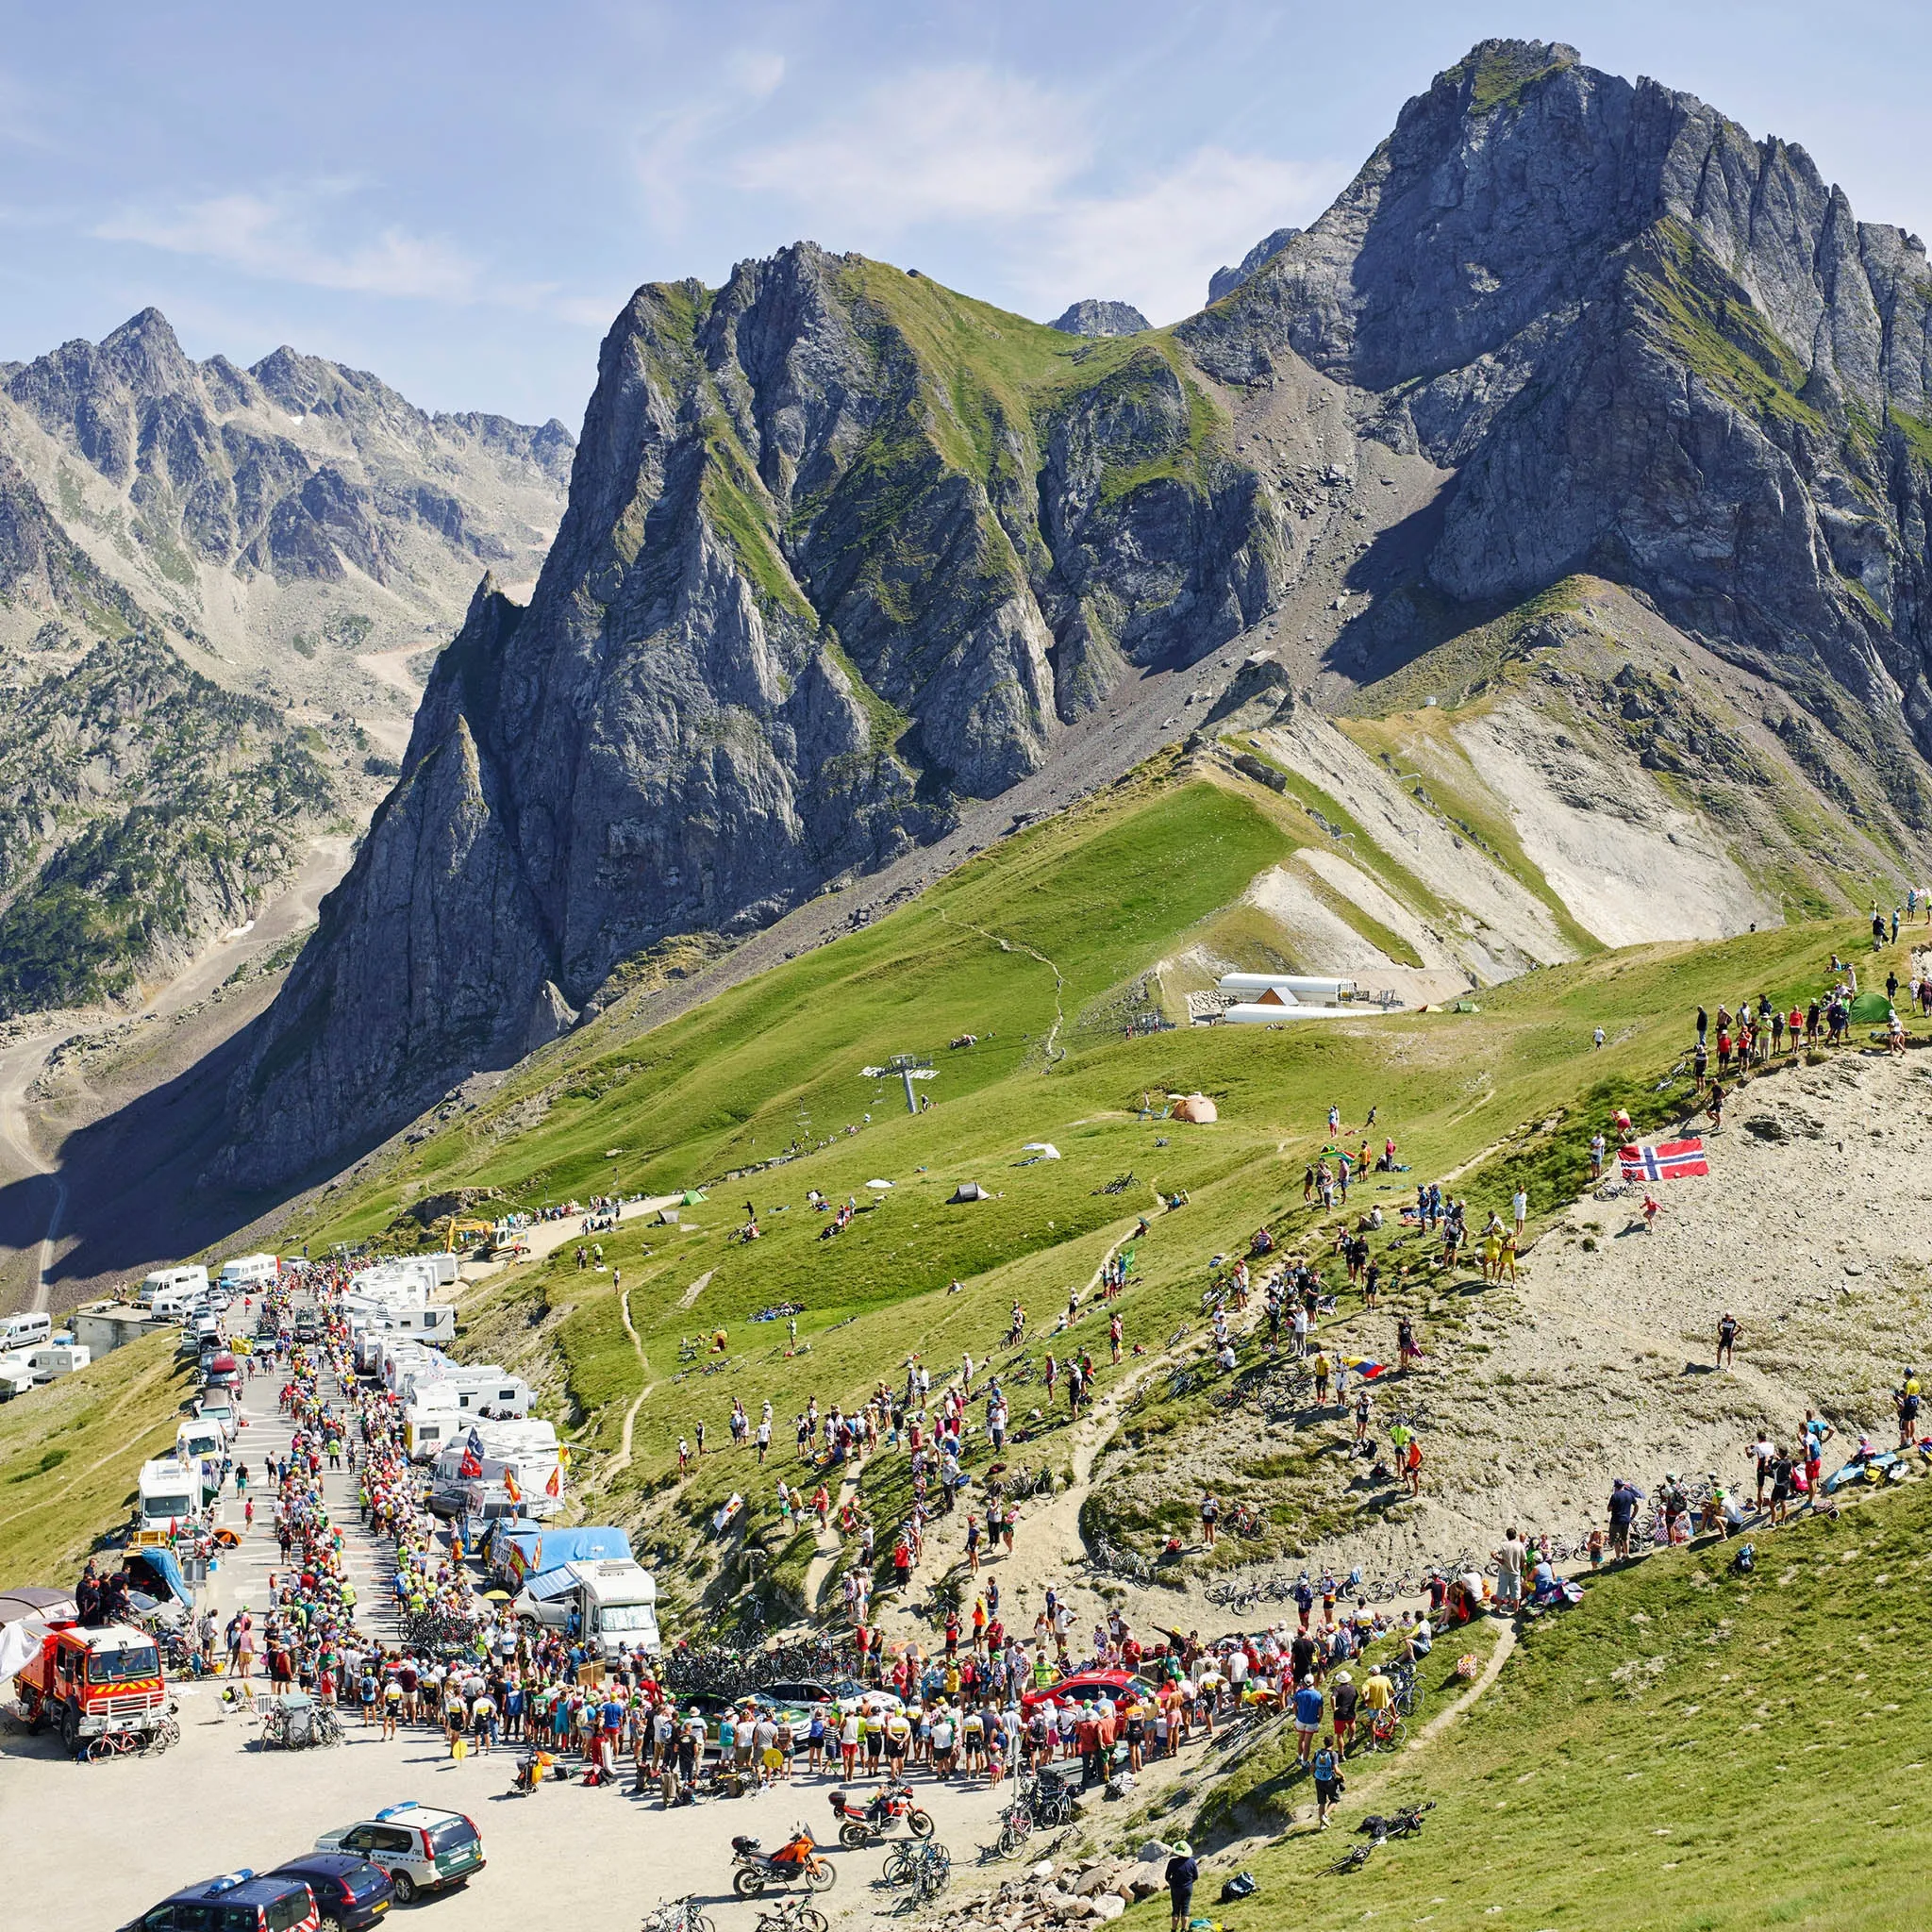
[(1224, 281), (816, 585), (1090, 317), (147, 356), (1648, 346), (844, 549)]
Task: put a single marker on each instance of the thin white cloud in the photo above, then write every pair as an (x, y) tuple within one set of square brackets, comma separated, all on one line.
[(1156, 244), (755, 72), (957, 143), (274, 238), (978, 148)]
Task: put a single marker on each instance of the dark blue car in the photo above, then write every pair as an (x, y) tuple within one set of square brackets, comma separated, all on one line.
[(237, 1902), (350, 1892)]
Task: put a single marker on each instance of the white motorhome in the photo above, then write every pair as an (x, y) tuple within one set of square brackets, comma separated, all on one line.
[(408, 1367), (245, 1273), (488, 1386), (522, 1451), (437, 1416), (16, 1374), (170, 1493), (604, 1603), (52, 1359), (184, 1282)]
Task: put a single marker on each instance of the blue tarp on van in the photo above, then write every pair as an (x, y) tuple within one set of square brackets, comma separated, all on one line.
[(524, 1552)]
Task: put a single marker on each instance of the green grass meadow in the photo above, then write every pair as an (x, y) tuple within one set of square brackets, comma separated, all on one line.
[(1686, 1751), (1510, 1094)]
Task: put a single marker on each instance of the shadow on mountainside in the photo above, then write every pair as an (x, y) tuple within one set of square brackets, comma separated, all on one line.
[(135, 1197)]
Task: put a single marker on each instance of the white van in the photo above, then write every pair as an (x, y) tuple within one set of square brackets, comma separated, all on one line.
[(245, 1274), (185, 1282), (201, 1440), (169, 1492), (25, 1331)]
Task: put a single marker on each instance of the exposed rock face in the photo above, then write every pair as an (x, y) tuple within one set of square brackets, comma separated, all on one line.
[(1224, 281), (298, 467), (188, 550), (813, 584), (1650, 347), (43, 572), (1091, 318), (843, 548), (140, 807)]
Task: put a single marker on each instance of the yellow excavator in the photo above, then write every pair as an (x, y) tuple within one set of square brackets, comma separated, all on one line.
[(484, 1235)]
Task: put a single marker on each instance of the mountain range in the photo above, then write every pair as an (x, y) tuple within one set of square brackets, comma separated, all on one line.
[(1572, 360), (213, 580)]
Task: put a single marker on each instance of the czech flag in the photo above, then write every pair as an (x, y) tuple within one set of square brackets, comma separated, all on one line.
[(1365, 1366), (1669, 1160)]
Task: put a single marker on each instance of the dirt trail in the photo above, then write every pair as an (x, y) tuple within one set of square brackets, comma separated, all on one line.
[(819, 1571), (1059, 984), (621, 1460)]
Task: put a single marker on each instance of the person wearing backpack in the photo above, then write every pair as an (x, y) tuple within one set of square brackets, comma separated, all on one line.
[(1329, 1784)]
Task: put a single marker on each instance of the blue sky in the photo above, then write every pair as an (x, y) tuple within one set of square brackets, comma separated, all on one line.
[(460, 197)]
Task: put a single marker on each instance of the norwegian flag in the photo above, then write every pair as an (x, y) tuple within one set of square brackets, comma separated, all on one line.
[(1669, 1160), (470, 1466)]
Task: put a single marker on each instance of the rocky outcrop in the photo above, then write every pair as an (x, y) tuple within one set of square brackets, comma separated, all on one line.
[(298, 467), (1647, 345), (43, 572), (1091, 318), (813, 586), (844, 549), (1224, 281)]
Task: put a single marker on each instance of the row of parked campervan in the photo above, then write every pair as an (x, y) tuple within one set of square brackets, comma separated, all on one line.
[(32, 1352)]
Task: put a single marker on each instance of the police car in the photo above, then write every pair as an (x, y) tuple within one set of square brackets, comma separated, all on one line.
[(237, 1902), (419, 1848)]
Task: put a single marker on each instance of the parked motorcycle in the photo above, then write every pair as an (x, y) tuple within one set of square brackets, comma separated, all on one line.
[(864, 1824), (796, 1859)]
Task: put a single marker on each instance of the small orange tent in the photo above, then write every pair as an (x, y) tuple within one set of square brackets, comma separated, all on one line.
[(1196, 1107)]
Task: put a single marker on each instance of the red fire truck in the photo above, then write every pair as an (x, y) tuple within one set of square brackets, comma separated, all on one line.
[(98, 1685)]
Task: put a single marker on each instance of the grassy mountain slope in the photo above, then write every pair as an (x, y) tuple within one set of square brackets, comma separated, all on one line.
[(1102, 892), (1687, 1749), (70, 1454)]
